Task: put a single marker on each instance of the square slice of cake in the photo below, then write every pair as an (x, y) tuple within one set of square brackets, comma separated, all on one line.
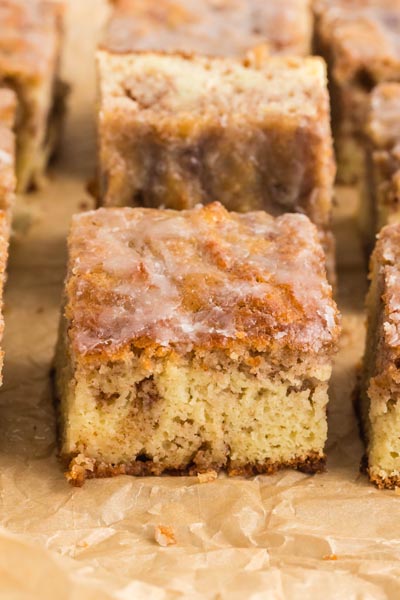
[(380, 384), (177, 130), (194, 340), (30, 39), (360, 40), (212, 27), (381, 187), (8, 104)]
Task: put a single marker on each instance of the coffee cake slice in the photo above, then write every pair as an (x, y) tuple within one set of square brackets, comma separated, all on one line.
[(212, 27), (30, 40), (380, 384), (381, 187), (360, 40), (8, 104), (177, 130), (194, 340)]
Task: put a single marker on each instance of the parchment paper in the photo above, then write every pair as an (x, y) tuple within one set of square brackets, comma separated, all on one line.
[(286, 536)]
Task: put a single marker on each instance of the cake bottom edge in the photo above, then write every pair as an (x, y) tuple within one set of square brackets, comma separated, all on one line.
[(80, 468), (377, 476), (382, 480)]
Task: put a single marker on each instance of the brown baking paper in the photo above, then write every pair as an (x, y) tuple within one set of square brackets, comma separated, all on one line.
[(286, 536)]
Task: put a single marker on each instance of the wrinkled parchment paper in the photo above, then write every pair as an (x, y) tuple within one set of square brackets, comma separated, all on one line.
[(286, 536)]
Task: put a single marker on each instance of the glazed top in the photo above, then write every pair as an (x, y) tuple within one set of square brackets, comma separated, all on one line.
[(197, 278), (215, 27)]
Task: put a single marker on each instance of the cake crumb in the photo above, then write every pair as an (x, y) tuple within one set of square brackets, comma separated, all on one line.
[(207, 477), (78, 468), (164, 535), (330, 557), (397, 491)]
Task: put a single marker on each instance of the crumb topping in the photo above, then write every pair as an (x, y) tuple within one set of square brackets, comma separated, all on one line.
[(164, 535), (207, 476), (174, 84), (203, 277)]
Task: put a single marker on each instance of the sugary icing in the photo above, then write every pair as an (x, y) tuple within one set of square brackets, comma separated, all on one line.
[(197, 277)]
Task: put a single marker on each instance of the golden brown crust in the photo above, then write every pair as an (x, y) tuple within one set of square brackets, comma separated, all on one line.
[(216, 27), (389, 483), (81, 468), (167, 280)]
